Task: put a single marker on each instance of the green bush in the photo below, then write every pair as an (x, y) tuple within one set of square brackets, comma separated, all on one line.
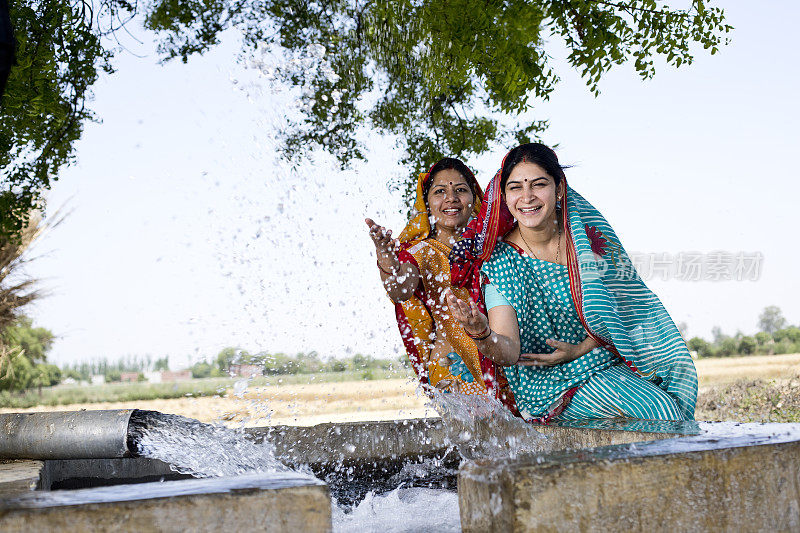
[(17, 371), (74, 374), (789, 335), (701, 346), (747, 346), (337, 365), (786, 346), (201, 370), (727, 347), (46, 375), (763, 338)]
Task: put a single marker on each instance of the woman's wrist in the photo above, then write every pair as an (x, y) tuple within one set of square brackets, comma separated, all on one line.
[(390, 258), (392, 271), (481, 336), (587, 345)]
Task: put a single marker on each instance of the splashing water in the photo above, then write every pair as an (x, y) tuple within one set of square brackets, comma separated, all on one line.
[(401, 510), (476, 427), (202, 450), (480, 426)]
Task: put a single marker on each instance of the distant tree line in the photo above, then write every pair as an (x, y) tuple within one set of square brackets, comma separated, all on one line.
[(283, 364), (775, 336), (111, 370)]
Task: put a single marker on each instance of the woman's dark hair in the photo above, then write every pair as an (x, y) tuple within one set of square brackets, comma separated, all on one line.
[(537, 153), (450, 163)]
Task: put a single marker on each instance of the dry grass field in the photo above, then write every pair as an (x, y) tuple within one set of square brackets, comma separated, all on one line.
[(736, 388), (725, 370), (383, 399)]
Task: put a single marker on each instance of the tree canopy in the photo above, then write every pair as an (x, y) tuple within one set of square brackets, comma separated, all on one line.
[(444, 77), (436, 74), (771, 319), (59, 54)]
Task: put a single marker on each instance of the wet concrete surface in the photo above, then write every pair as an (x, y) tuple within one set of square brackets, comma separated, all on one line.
[(589, 475), (276, 502), (726, 477)]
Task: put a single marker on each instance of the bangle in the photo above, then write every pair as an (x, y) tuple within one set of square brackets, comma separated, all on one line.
[(393, 273), (482, 336)]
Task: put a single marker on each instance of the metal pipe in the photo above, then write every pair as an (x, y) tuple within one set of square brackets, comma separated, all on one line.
[(65, 435)]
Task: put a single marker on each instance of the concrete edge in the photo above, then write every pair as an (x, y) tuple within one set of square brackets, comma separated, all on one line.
[(20, 476), (488, 488)]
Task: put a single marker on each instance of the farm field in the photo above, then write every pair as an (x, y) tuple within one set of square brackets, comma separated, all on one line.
[(753, 388), (724, 370), (294, 404)]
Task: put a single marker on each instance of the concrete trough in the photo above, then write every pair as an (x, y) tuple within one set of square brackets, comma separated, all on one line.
[(727, 477), (589, 476), (253, 502)]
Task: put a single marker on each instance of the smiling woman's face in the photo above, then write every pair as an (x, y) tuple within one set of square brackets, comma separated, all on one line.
[(450, 200), (530, 194)]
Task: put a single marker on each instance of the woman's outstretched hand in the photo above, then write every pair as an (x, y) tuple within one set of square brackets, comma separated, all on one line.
[(385, 247), (564, 353), (399, 280), (467, 313)]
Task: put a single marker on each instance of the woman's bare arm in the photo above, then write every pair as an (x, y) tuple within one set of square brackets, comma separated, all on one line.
[(502, 343), (564, 353), (399, 279), (501, 329)]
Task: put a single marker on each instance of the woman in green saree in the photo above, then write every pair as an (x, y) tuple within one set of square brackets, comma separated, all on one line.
[(579, 333)]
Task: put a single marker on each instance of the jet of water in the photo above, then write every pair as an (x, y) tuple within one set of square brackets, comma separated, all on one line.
[(202, 450)]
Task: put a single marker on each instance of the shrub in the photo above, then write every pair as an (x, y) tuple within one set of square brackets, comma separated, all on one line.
[(16, 370), (727, 347), (763, 338), (747, 346), (701, 346), (201, 370), (790, 334), (785, 346), (74, 374), (337, 365)]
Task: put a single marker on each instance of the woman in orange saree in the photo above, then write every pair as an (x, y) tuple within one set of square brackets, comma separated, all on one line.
[(415, 271)]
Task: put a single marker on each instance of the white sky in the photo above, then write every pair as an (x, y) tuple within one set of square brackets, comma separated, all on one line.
[(188, 235)]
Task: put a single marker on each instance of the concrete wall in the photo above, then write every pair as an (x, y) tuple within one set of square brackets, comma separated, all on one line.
[(245, 503), (331, 444), (58, 471), (740, 479), (369, 441), (590, 476), (362, 441)]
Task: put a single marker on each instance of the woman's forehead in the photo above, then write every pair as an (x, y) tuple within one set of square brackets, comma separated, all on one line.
[(448, 176), (528, 171)]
